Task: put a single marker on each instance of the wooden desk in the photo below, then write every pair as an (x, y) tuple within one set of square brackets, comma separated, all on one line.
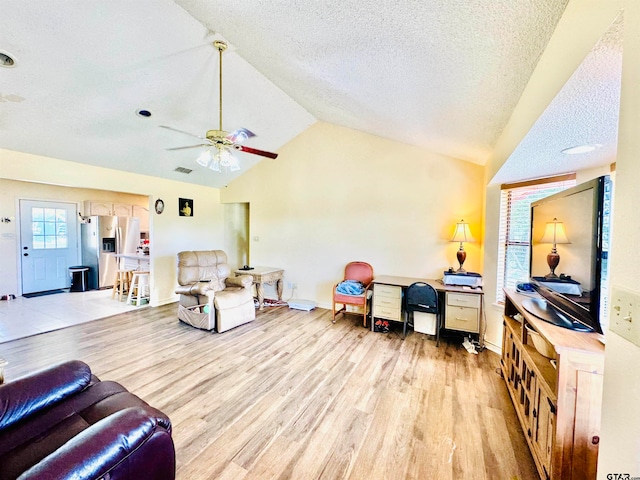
[(262, 275), (459, 308)]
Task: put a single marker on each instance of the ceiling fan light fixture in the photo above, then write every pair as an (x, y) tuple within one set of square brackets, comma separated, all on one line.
[(226, 159), (204, 158), (215, 164), (235, 166)]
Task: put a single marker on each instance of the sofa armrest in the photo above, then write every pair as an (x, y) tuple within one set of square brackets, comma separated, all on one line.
[(198, 288), (34, 392), (104, 446), (240, 281)]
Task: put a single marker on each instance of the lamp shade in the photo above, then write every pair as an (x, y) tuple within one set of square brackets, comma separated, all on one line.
[(462, 233), (554, 233)]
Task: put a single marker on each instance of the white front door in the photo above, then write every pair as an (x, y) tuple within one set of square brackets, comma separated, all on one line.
[(48, 244)]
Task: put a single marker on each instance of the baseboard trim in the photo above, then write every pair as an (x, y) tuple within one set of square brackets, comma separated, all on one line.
[(493, 348)]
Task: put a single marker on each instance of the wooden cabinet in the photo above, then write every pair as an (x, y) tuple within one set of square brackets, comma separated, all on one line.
[(558, 400), (143, 214), (121, 210), (107, 208), (462, 312), (387, 302)]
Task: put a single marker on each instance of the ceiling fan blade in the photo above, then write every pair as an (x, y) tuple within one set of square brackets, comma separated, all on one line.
[(191, 146), (182, 131), (240, 135), (255, 151)]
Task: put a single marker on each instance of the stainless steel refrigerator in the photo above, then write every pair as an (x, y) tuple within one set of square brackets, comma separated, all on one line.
[(102, 237)]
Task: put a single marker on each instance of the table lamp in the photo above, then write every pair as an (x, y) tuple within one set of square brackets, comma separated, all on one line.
[(462, 234), (554, 233)]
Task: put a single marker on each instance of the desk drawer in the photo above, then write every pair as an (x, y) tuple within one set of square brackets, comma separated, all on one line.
[(389, 302), (387, 312), (463, 300), (462, 318), (387, 291)]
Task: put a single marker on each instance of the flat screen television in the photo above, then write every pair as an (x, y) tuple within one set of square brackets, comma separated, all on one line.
[(576, 297)]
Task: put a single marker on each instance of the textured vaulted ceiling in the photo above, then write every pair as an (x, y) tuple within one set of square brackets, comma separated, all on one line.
[(444, 75)]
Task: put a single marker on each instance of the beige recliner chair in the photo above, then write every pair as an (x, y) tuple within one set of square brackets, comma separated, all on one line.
[(209, 297)]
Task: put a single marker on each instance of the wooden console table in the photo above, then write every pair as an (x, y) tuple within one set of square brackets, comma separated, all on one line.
[(558, 404), (262, 275)]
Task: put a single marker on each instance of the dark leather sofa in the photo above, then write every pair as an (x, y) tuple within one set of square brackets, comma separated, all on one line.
[(63, 423)]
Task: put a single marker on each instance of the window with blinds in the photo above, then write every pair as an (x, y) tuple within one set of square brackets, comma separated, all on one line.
[(514, 242)]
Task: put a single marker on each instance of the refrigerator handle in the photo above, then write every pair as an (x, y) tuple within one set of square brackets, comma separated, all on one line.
[(118, 240)]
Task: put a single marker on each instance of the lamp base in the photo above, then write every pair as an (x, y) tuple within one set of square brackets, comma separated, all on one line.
[(553, 259), (462, 256)]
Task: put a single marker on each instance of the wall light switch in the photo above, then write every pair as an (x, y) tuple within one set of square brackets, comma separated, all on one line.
[(625, 314)]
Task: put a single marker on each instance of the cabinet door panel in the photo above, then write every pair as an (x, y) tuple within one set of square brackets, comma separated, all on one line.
[(121, 210)]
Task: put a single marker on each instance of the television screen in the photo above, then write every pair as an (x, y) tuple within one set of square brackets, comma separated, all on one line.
[(569, 248)]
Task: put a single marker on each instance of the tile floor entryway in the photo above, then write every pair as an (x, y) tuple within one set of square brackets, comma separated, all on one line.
[(23, 317)]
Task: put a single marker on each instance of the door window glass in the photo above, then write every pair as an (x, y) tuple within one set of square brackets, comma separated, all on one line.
[(49, 228)]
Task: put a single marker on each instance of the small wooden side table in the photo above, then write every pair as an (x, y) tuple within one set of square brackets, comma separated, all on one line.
[(262, 275), (3, 363)]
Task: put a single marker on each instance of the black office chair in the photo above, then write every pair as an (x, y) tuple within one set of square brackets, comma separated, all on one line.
[(421, 297)]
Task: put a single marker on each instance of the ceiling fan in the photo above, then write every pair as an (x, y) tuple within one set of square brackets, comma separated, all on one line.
[(219, 143)]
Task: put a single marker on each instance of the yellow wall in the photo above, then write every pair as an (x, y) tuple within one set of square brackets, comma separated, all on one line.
[(335, 195), (170, 233)]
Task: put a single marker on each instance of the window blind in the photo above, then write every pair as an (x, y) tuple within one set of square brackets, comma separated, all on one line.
[(514, 242)]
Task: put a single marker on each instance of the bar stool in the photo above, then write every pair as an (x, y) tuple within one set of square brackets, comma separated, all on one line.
[(139, 285), (122, 283)]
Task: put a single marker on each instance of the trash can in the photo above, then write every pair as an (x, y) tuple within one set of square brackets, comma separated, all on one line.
[(79, 278)]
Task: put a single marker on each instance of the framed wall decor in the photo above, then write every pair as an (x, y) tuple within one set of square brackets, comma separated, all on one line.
[(159, 206), (185, 207)]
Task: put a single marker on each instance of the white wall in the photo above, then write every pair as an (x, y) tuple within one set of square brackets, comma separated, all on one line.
[(620, 446), (335, 195), (170, 233)]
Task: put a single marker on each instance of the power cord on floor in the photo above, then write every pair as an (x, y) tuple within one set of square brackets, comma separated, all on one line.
[(293, 291)]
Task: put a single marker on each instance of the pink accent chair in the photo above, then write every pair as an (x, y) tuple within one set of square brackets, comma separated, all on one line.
[(363, 272)]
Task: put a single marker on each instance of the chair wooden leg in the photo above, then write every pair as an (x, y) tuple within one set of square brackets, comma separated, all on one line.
[(335, 313)]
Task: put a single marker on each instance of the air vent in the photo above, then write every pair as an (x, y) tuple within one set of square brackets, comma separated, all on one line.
[(183, 170)]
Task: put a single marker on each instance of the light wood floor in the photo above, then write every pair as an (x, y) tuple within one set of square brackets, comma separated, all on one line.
[(293, 396)]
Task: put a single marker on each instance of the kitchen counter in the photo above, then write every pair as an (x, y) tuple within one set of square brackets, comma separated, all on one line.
[(134, 261)]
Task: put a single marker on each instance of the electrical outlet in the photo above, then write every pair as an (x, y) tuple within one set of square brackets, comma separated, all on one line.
[(625, 314)]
